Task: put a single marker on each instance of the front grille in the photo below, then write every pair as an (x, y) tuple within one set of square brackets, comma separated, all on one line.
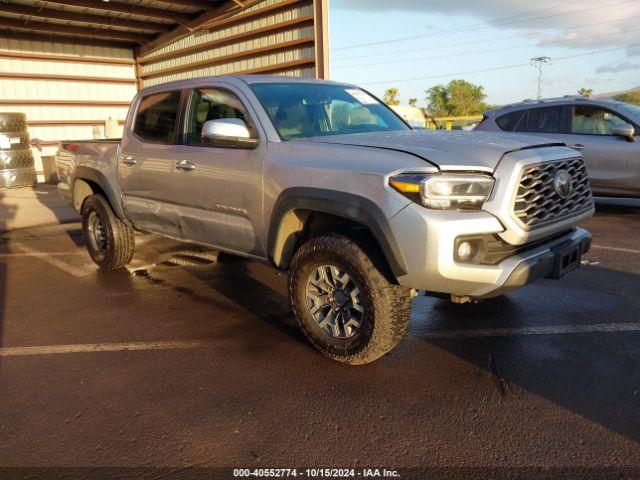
[(537, 201)]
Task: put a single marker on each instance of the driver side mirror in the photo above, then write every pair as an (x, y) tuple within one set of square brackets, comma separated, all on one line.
[(627, 131), (228, 132)]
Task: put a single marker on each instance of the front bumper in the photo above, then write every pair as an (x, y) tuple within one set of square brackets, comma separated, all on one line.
[(543, 262), (426, 239)]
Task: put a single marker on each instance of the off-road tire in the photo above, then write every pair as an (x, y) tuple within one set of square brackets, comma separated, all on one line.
[(13, 122), (387, 305), (120, 240), (13, 159)]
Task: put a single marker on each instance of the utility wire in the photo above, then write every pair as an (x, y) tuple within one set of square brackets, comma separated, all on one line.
[(483, 25), (455, 29), (491, 50), (505, 67), (475, 42)]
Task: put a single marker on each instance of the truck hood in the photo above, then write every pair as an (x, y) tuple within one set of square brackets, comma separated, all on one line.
[(448, 150)]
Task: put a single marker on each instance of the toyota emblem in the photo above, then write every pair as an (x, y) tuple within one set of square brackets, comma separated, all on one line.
[(563, 183)]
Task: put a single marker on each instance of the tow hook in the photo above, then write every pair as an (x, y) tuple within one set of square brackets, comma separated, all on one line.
[(463, 299)]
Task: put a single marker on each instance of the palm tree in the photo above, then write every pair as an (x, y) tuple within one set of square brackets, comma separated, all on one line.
[(413, 102), (391, 97), (585, 92)]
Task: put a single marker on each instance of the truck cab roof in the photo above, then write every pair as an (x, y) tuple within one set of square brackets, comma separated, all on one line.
[(234, 80)]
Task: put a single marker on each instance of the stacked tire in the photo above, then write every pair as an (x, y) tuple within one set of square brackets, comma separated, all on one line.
[(17, 168)]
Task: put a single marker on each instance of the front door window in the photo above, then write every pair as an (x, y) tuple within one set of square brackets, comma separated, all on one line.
[(588, 120), (214, 104)]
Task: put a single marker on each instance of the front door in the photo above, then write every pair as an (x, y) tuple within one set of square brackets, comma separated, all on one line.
[(146, 164), (613, 162), (219, 188)]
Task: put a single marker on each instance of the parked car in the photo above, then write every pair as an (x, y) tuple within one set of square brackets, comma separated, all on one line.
[(324, 181), (603, 130)]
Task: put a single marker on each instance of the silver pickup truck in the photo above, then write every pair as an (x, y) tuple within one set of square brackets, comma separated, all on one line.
[(324, 181)]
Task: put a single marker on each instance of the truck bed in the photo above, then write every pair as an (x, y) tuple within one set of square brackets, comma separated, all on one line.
[(100, 156)]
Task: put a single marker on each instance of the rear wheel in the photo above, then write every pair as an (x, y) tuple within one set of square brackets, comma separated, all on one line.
[(110, 241), (344, 302)]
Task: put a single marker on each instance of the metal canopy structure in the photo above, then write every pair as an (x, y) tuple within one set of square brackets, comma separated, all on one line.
[(127, 23), (232, 30)]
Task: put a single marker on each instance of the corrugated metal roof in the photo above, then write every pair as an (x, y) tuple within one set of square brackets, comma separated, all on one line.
[(123, 21), (40, 4)]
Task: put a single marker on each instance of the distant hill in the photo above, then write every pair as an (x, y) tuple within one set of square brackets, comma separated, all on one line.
[(612, 94)]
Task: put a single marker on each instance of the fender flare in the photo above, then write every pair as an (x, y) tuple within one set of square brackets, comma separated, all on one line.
[(346, 205), (97, 177)]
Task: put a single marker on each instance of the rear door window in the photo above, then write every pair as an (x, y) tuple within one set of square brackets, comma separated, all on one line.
[(545, 120), (156, 117)]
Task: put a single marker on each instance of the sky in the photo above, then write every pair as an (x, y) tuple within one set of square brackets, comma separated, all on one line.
[(413, 45)]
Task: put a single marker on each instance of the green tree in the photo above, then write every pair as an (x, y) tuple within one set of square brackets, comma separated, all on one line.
[(628, 97), (585, 92), (438, 101), (391, 97), (413, 102), (457, 98)]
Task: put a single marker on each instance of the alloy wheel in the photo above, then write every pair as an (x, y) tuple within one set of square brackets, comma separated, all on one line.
[(334, 301)]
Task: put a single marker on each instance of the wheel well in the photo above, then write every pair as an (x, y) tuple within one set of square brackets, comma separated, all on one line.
[(298, 226), (82, 189)]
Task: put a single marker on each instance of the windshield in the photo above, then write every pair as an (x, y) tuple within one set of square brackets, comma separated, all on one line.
[(631, 111), (302, 110)]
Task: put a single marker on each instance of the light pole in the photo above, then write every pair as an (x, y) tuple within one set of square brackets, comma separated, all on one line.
[(538, 62)]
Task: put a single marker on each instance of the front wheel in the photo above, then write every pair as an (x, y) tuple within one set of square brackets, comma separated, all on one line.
[(343, 301), (109, 240)]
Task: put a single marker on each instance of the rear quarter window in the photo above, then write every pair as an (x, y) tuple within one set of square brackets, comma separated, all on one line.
[(511, 121)]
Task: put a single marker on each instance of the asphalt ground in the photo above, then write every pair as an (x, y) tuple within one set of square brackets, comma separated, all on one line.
[(187, 366)]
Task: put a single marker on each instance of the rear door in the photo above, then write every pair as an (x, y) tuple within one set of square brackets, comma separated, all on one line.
[(613, 162), (219, 187), (146, 163)]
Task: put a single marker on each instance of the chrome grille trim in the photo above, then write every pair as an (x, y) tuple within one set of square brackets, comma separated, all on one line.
[(538, 204)]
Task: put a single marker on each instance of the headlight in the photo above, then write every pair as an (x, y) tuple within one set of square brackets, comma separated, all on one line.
[(445, 191)]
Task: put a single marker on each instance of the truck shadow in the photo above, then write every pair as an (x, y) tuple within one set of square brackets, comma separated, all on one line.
[(254, 287), (258, 289)]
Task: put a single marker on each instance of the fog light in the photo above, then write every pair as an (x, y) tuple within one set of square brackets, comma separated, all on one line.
[(466, 251), (470, 249)]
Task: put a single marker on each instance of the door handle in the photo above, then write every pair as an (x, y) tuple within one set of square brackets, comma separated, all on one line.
[(185, 165), (129, 159), (576, 146)]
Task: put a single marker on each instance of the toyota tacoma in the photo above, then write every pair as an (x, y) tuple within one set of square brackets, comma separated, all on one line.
[(324, 181)]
